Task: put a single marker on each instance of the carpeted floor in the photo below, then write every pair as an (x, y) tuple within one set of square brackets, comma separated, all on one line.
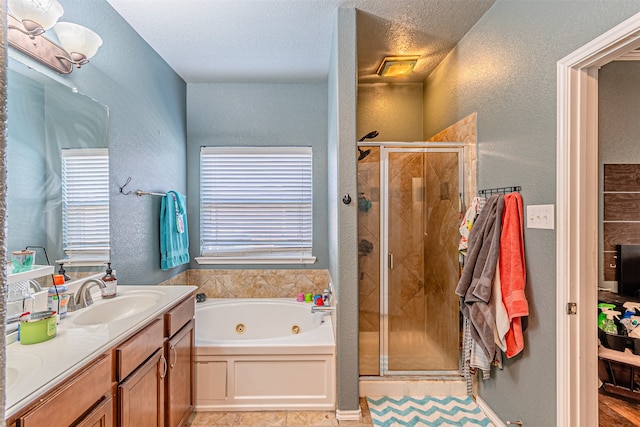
[(430, 411)]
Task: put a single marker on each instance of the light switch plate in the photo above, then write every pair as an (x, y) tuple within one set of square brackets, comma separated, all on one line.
[(540, 216)]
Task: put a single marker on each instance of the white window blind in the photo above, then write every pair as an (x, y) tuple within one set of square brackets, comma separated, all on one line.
[(256, 205), (85, 205)]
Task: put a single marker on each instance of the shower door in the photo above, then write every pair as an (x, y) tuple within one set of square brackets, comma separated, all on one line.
[(420, 211)]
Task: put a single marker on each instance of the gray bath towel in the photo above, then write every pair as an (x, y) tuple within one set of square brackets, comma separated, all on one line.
[(474, 287)]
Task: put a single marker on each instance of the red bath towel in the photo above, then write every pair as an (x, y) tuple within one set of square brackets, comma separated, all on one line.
[(512, 271)]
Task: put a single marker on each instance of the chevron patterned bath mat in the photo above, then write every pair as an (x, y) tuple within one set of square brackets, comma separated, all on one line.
[(428, 411)]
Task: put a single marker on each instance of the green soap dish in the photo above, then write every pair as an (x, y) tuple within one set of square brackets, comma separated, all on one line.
[(38, 330)]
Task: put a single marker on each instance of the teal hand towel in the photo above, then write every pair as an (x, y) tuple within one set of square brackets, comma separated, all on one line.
[(174, 234)]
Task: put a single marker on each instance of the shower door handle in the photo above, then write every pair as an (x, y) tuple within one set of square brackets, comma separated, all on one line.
[(390, 261)]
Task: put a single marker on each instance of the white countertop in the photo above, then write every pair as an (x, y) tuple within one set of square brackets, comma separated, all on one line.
[(40, 367)]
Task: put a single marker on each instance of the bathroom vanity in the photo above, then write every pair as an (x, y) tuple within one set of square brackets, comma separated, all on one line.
[(126, 361)]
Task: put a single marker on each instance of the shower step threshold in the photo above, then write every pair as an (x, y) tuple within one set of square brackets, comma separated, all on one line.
[(453, 385)]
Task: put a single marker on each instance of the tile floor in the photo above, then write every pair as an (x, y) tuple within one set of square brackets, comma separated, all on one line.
[(279, 418)]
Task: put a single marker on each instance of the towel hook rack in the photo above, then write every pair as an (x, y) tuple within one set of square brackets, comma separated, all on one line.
[(138, 192), (502, 190)]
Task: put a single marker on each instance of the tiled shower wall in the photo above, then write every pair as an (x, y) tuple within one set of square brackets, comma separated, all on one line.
[(406, 235), (369, 240), (253, 283), (465, 131), (441, 266), (444, 264), (369, 262)]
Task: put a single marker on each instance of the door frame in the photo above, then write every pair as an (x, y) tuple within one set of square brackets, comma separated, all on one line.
[(577, 221), (385, 149)]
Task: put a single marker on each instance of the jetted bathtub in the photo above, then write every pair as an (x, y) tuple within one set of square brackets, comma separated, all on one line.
[(263, 354)]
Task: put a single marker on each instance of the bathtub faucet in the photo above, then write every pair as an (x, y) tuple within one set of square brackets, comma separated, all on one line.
[(326, 297), (321, 308)]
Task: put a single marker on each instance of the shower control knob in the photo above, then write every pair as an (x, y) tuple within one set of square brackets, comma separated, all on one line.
[(346, 199)]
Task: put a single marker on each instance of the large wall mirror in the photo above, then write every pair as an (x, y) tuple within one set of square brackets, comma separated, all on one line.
[(45, 118)]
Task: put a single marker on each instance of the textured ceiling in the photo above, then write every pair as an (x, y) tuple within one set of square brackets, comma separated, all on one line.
[(290, 40)]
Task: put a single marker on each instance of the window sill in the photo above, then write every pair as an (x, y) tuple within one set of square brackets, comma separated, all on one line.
[(247, 260), (82, 262)]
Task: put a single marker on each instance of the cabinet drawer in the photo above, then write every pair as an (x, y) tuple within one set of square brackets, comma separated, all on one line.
[(70, 401), (179, 316), (133, 352)]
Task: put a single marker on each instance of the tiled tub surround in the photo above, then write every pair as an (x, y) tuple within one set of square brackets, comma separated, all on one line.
[(253, 283)]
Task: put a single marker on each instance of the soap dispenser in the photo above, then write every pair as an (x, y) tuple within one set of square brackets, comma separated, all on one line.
[(64, 274), (109, 279)]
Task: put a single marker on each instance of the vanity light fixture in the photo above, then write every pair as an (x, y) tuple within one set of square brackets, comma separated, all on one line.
[(29, 21), (397, 66), (79, 41), (36, 16)]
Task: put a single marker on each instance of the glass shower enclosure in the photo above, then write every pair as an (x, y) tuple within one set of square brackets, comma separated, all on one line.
[(410, 204)]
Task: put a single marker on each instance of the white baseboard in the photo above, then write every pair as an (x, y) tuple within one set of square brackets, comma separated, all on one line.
[(351, 415), (493, 417)]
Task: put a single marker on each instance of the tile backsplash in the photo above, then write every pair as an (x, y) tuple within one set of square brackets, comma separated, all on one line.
[(253, 283)]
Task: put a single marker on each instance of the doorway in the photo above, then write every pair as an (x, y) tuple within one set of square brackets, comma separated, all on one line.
[(410, 199), (577, 220)]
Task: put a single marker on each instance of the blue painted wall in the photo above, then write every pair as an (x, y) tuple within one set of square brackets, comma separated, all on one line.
[(343, 219), (270, 114), (147, 133), (505, 70)]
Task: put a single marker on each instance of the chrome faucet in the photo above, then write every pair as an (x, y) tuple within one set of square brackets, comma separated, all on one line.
[(326, 303), (326, 296), (321, 308), (35, 286), (83, 297)]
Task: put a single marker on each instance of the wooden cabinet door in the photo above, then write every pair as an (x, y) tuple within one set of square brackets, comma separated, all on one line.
[(141, 395), (101, 416), (180, 379), (68, 402)]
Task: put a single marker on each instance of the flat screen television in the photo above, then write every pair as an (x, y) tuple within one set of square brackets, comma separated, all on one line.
[(629, 270)]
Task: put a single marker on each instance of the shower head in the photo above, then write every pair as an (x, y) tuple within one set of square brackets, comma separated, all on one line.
[(370, 135), (363, 153)]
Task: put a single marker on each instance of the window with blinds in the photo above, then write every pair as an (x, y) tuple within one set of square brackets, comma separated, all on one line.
[(85, 205), (256, 205)]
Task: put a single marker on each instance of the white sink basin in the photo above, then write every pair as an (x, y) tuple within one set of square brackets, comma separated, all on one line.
[(21, 366), (118, 308)]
